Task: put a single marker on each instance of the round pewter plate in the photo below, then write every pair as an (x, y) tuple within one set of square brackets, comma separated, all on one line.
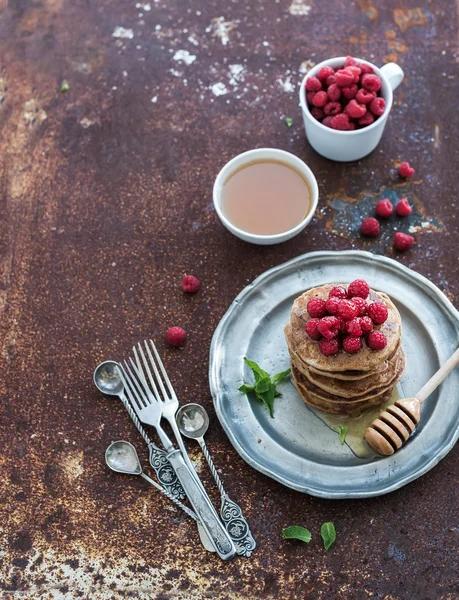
[(296, 448)]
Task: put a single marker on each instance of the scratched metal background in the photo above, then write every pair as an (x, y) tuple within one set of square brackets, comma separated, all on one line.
[(105, 204)]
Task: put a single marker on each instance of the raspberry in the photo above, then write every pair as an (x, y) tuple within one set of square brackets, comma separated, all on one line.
[(402, 241), (370, 227), (320, 99), (350, 91), (329, 347), (329, 327), (190, 284), (175, 336), (378, 312), (359, 287), (364, 96), (350, 62), (327, 121), (355, 110), (370, 82), (342, 325), (356, 70), (331, 79), (340, 122), (332, 108), (324, 73), (313, 84), (384, 208), (334, 92), (317, 113), (311, 329), (338, 292), (378, 106), (316, 307), (405, 170), (331, 305), (310, 97), (351, 345), (351, 127), (361, 305), (344, 77), (347, 309), (376, 340), (365, 68), (403, 208), (367, 119), (354, 328), (366, 325)]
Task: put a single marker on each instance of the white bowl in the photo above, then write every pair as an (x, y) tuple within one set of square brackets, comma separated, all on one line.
[(346, 146), (265, 154)]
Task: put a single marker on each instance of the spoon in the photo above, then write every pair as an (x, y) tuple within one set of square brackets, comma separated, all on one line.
[(193, 422), (393, 427)]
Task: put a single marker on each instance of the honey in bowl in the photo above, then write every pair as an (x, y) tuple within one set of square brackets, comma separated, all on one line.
[(266, 197)]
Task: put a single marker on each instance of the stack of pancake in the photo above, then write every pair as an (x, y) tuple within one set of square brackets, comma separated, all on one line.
[(344, 384)]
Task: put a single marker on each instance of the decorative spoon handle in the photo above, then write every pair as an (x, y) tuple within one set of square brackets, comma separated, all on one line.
[(231, 513)]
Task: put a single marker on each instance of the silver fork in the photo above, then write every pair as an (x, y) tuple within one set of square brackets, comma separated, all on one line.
[(148, 409)]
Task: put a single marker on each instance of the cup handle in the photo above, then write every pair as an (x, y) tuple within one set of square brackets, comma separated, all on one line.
[(394, 74)]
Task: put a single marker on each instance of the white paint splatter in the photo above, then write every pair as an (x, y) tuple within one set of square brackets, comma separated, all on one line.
[(145, 7), (175, 73), (299, 7), (154, 99), (121, 32), (221, 28), (193, 40), (307, 65), (236, 74), (286, 85), (184, 56), (157, 27), (219, 89)]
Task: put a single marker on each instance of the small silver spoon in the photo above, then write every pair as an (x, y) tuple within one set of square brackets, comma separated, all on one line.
[(193, 422)]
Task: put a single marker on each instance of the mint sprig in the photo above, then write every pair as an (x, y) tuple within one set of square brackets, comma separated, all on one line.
[(342, 433), (265, 386)]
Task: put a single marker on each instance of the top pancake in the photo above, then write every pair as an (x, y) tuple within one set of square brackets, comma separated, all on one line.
[(365, 360)]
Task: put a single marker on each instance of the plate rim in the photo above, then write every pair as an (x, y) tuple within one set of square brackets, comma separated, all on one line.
[(393, 264)]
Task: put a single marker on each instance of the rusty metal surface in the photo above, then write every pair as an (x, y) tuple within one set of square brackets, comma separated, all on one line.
[(106, 204)]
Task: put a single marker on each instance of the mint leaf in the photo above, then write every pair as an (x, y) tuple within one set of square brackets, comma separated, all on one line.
[(296, 532), (328, 533), (342, 433), (246, 388), (268, 398), (65, 86), (277, 394), (280, 376), (288, 121), (258, 372), (263, 385)]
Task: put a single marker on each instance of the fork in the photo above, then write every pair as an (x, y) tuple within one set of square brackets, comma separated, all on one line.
[(148, 409)]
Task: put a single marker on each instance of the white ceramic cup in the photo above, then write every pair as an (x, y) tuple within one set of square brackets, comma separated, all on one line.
[(346, 146), (260, 154)]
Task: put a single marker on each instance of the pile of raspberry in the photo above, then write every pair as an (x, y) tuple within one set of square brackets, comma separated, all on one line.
[(345, 318), (347, 98)]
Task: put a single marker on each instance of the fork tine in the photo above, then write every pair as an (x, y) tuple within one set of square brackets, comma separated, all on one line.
[(142, 391), (147, 368), (133, 397), (161, 366), (158, 376)]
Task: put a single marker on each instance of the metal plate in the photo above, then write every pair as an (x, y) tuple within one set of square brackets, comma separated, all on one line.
[(296, 448)]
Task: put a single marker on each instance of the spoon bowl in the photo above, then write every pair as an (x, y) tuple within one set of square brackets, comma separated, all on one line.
[(122, 457), (107, 378), (193, 421)]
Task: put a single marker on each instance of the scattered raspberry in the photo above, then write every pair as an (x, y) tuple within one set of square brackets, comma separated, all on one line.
[(359, 287), (310, 97), (351, 345), (175, 336), (367, 119), (365, 68), (355, 110), (329, 327), (347, 309), (369, 226), (311, 329), (370, 82), (331, 305), (378, 106), (354, 328), (378, 312), (331, 79), (376, 340), (361, 305), (403, 208), (329, 347), (338, 292), (350, 62), (402, 241), (327, 121), (324, 73), (317, 112), (190, 284), (344, 77), (364, 96), (316, 307), (332, 108), (356, 70), (350, 91), (405, 170), (313, 84), (320, 99), (340, 122), (334, 92), (384, 208), (366, 325)]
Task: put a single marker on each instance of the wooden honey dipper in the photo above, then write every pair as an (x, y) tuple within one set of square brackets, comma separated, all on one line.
[(393, 427)]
